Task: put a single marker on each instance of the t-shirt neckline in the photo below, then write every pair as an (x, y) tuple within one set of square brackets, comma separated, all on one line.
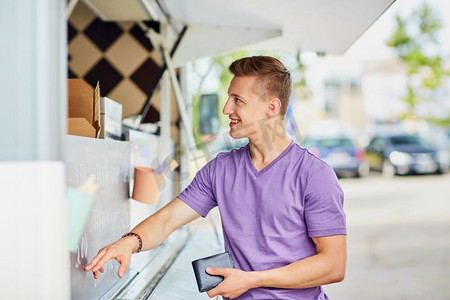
[(269, 166)]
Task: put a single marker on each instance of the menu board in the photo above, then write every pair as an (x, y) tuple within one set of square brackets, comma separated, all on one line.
[(109, 214)]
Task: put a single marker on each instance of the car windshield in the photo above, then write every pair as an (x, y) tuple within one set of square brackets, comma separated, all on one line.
[(334, 143), (410, 140)]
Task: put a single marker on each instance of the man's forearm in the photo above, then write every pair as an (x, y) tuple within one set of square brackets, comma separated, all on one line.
[(152, 230), (328, 266), (156, 228), (309, 272)]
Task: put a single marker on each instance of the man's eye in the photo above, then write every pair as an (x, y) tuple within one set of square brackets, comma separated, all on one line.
[(238, 100)]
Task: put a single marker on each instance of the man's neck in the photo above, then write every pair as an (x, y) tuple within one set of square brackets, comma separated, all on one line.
[(263, 153)]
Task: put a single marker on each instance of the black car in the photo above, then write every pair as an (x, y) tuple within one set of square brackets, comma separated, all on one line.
[(339, 152), (405, 154)]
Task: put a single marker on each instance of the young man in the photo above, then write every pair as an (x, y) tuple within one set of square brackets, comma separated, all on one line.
[(281, 207)]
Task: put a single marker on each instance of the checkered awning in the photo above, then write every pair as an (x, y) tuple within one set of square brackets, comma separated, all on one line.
[(115, 53)]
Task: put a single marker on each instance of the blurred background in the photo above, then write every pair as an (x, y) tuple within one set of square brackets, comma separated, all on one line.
[(380, 116)]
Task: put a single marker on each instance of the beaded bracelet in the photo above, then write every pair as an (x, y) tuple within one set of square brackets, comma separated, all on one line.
[(137, 236)]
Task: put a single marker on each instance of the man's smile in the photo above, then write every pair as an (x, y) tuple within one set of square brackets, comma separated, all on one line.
[(234, 122)]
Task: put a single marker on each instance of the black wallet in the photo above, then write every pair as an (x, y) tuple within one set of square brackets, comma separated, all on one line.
[(205, 282)]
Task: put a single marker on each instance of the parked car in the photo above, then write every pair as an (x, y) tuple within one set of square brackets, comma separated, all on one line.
[(405, 154), (339, 152)]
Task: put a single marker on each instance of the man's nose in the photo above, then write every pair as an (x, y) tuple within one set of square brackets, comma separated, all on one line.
[(227, 108)]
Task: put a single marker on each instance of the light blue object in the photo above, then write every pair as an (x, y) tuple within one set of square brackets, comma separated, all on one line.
[(79, 208)]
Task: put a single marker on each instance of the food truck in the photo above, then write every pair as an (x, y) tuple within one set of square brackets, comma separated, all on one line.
[(94, 90)]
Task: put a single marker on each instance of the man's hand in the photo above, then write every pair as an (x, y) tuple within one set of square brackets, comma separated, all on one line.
[(153, 231), (121, 250), (236, 282)]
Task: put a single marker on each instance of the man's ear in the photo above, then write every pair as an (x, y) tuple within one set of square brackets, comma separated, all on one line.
[(274, 106)]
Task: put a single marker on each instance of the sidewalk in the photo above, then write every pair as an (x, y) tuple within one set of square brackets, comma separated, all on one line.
[(179, 281)]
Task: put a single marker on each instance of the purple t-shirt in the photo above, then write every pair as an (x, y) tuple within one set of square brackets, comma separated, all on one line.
[(268, 216)]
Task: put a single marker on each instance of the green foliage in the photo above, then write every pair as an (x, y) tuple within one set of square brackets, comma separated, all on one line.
[(429, 23), (399, 39), (414, 39), (410, 97), (440, 122)]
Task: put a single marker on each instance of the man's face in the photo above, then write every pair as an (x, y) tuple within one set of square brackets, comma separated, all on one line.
[(245, 108)]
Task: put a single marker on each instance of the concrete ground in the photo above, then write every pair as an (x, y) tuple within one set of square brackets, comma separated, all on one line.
[(398, 238)]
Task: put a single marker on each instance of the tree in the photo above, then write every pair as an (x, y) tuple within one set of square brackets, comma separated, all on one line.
[(415, 43)]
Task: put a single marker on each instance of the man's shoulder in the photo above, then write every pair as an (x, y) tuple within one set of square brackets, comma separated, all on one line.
[(225, 158), (232, 154), (307, 160), (299, 152)]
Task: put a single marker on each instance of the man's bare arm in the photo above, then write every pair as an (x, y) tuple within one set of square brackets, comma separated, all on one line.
[(152, 230), (327, 266)]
